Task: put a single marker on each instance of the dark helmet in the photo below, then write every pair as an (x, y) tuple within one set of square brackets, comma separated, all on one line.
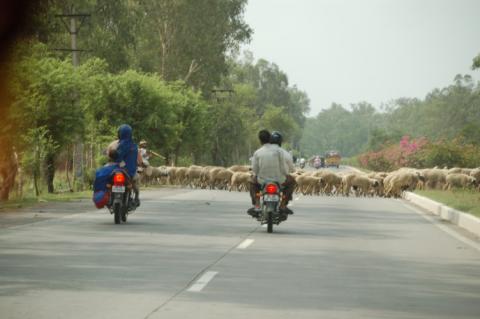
[(276, 138)]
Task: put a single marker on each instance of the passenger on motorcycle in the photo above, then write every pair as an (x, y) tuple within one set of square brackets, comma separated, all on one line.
[(125, 152), (271, 163)]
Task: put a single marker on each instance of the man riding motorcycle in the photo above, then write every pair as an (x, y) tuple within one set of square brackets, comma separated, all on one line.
[(271, 163)]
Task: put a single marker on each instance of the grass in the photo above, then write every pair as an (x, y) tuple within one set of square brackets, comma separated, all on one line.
[(30, 200), (467, 201)]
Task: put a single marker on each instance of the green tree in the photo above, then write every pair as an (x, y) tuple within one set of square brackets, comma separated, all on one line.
[(189, 39), (476, 62), (45, 91)]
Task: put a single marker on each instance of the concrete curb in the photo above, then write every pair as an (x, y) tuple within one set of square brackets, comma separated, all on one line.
[(456, 217)]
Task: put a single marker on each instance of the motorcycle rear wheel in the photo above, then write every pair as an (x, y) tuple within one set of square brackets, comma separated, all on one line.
[(124, 214), (117, 213), (270, 222)]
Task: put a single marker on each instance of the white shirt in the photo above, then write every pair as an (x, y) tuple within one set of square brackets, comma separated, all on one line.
[(271, 163), (145, 156)]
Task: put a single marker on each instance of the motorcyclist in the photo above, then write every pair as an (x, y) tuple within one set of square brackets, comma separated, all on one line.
[(302, 162), (125, 152), (288, 185), (317, 162), (271, 163)]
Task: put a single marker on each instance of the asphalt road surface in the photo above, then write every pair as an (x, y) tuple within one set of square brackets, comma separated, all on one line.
[(197, 254)]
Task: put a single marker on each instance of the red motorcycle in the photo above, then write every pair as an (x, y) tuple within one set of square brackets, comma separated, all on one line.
[(121, 200), (270, 198)]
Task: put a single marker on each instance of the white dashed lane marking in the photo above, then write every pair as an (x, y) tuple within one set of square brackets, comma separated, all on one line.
[(245, 243), (202, 281)]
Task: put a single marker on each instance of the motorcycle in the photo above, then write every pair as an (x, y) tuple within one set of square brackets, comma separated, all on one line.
[(121, 200), (270, 213)]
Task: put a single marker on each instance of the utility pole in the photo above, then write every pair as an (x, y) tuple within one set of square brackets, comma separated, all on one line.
[(69, 20)]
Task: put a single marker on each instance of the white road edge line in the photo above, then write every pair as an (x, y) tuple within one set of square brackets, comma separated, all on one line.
[(444, 228), (245, 243), (202, 281)]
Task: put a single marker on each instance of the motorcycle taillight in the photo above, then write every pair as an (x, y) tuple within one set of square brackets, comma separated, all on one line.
[(271, 189), (119, 179)]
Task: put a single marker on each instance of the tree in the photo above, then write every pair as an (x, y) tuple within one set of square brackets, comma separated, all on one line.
[(476, 62), (46, 89), (189, 39)]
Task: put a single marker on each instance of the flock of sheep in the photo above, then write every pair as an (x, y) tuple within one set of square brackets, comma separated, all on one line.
[(320, 182)]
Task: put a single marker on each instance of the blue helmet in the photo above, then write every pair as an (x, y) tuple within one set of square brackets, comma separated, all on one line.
[(124, 132)]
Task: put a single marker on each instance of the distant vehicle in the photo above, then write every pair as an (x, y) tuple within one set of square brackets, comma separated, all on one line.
[(317, 161), (332, 159), (302, 163)]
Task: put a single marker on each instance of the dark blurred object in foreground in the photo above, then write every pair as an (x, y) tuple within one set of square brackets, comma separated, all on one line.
[(15, 22)]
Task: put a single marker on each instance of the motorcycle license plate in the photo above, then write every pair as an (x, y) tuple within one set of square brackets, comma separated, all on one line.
[(118, 189), (271, 198)]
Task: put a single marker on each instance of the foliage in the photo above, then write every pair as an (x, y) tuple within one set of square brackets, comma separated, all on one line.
[(42, 144), (476, 62), (338, 128), (421, 153), (394, 156), (153, 65), (445, 114)]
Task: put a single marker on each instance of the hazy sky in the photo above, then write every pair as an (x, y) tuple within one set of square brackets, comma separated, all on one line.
[(347, 51)]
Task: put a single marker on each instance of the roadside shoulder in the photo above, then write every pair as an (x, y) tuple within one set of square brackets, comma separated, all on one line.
[(456, 217)]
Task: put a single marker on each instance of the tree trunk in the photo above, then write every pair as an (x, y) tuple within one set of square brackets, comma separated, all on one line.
[(67, 164), (35, 183), (177, 153), (50, 171), (8, 171)]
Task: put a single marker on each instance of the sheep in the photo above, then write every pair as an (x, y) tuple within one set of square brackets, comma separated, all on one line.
[(475, 173), (380, 176), (220, 177), (458, 180), (240, 168), (193, 175), (331, 181), (161, 174), (240, 181), (401, 181), (181, 175), (172, 175), (362, 184), (434, 178), (347, 183), (309, 185), (454, 170)]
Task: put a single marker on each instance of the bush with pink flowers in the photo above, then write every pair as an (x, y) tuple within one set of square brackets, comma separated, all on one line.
[(402, 154)]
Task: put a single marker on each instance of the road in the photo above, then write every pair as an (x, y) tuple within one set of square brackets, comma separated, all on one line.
[(197, 254)]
